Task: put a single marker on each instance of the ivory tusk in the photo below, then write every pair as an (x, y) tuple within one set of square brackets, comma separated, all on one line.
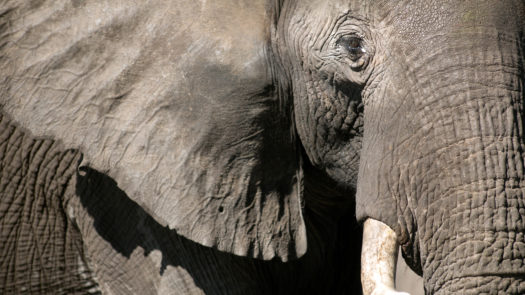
[(378, 259)]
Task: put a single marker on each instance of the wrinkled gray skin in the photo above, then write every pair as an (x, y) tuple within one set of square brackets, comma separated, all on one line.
[(216, 146)]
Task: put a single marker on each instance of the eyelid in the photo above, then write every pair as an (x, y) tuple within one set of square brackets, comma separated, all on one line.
[(348, 36)]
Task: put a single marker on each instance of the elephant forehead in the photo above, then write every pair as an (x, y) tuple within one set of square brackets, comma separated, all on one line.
[(415, 21)]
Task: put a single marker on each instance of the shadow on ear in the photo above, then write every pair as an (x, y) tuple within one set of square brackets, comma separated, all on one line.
[(173, 100), (329, 267)]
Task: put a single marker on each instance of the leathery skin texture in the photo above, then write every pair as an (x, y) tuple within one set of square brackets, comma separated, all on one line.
[(442, 145), (457, 174), (71, 230), (41, 249), (461, 195), (192, 179), (223, 142)]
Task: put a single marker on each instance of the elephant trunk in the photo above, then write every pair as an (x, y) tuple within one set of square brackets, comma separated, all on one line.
[(471, 237), (469, 202), (453, 169)]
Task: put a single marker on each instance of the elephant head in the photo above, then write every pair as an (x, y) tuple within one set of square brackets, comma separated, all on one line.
[(441, 148), (207, 113)]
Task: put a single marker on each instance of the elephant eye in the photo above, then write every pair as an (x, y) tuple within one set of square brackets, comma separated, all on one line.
[(354, 50), (354, 46)]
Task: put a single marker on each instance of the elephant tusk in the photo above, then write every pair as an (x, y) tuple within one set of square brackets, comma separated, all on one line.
[(379, 259)]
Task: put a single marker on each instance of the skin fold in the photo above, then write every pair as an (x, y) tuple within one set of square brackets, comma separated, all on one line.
[(239, 147)]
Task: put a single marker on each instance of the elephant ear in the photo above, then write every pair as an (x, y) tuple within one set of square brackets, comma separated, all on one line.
[(173, 100)]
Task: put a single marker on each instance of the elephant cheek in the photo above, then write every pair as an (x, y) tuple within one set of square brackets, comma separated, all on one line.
[(375, 196)]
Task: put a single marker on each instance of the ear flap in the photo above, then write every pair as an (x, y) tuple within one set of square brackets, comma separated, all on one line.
[(173, 100)]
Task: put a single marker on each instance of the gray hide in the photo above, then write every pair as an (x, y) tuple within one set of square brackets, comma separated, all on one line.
[(171, 99)]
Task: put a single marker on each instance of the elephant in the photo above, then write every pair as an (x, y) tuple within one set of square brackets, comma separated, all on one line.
[(238, 147), (206, 196)]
